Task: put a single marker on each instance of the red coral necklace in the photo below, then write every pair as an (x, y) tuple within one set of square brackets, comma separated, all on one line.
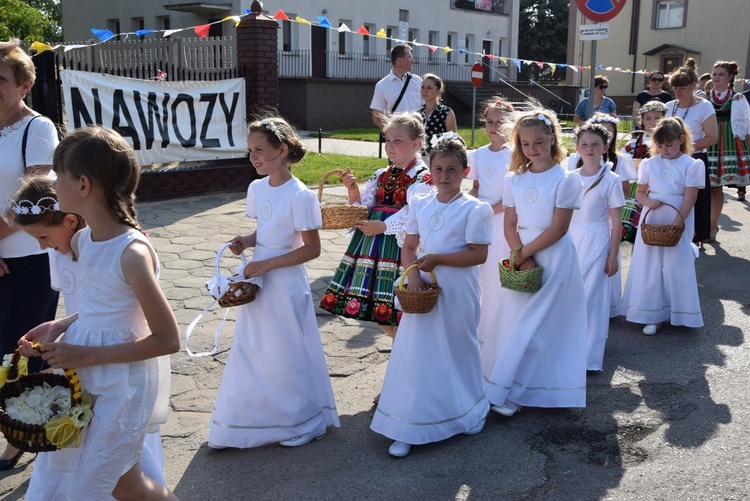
[(394, 179)]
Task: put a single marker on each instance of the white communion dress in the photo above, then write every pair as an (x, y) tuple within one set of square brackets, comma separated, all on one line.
[(537, 356), (662, 285), (489, 169), (276, 384), (433, 386), (590, 230)]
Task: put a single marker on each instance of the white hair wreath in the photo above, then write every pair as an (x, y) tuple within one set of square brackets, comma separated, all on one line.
[(437, 138), (268, 123)]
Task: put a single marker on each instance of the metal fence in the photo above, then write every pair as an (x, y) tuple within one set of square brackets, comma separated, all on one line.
[(357, 66)]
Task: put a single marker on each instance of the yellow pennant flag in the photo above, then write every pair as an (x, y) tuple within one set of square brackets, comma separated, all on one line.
[(302, 21), (40, 47), (381, 33), (447, 49)]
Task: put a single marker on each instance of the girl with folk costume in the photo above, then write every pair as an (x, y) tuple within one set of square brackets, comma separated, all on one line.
[(433, 386), (362, 286), (700, 118), (537, 356), (596, 229), (662, 284), (488, 167), (276, 386), (729, 158)]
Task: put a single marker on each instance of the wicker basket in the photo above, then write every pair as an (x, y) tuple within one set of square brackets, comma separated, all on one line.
[(338, 217), (417, 301), (661, 235), (519, 280), (239, 292), (23, 436)]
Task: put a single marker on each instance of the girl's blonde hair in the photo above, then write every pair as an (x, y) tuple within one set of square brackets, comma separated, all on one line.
[(108, 161), (36, 203), (409, 121), (278, 132), (546, 121), (671, 129), (496, 103), (451, 144)]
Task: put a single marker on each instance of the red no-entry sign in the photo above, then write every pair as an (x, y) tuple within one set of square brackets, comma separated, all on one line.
[(477, 74), (600, 11)]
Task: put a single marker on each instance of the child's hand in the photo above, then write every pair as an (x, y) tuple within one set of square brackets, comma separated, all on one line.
[(653, 204), (4, 270), (257, 268), (678, 221), (239, 244), (371, 228), (42, 333), (415, 282), (527, 265), (612, 266), (427, 262), (349, 180), (66, 356)]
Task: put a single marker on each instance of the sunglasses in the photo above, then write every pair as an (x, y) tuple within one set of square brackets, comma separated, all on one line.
[(603, 86), (657, 79)]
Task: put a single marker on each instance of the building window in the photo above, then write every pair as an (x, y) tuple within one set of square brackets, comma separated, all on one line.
[(368, 46), (344, 36), (669, 14), (163, 22), (137, 24), (469, 46), (433, 38), (388, 42), (500, 62), (403, 15), (286, 36), (452, 37), (494, 6), (113, 25)]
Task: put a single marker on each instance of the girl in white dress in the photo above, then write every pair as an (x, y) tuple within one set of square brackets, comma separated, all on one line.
[(36, 210), (276, 386), (433, 386), (661, 284), (537, 356), (124, 321), (596, 229), (488, 166)]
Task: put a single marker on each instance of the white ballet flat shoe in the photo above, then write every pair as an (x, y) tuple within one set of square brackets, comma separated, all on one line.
[(650, 329), (476, 428), (507, 409), (303, 439), (399, 449)]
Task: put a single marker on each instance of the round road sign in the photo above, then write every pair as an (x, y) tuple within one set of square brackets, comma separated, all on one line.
[(600, 11), (477, 74)]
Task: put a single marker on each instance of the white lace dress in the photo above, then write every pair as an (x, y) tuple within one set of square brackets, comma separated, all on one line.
[(276, 384), (433, 386), (537, 355), (125, 394)]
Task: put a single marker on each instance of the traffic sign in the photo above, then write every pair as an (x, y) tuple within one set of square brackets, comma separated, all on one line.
[(477, 74), (600, 11)]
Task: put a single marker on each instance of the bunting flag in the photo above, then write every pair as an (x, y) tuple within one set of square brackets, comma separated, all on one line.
[(202, 30)]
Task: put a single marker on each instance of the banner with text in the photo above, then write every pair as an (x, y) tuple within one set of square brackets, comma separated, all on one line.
[(163, 121)]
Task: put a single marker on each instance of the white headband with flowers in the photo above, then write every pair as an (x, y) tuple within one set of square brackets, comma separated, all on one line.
[(270, 125), (604, 118), (590, 126), (653, 106), (437, 138), (27, 207)]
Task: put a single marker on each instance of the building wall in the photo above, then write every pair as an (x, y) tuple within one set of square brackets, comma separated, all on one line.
[(714, 30)]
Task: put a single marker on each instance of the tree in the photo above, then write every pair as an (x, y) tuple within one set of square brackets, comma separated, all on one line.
[(31, 20), (543, 36)]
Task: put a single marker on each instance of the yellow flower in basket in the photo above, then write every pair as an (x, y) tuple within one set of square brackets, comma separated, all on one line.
[(7, 372)]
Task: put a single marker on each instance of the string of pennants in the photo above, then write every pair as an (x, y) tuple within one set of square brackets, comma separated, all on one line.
[(202, 31)]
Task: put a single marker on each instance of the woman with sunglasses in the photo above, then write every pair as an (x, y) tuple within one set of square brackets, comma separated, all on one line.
[(602, 103), (654, 92)]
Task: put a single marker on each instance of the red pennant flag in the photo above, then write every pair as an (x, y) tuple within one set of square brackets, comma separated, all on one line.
[(280, 15), (362, 30), (432, 48), (489, 56), (202, 30), (540, 64)]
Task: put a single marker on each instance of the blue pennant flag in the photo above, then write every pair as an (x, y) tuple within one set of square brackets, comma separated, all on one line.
[(518, 63), (599, 67), (323, 22), (141, 33), (102, 35), (462, 51), (245, 12)]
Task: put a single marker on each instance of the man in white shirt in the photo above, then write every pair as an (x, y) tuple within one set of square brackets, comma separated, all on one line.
[(385, 101)]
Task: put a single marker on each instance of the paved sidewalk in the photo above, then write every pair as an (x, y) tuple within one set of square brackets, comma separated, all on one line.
[(667, 418)]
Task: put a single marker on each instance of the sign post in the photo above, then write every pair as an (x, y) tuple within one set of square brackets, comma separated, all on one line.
[(599, 12), (477, 77)]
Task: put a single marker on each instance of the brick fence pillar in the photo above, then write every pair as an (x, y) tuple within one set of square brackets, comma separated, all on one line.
[(257, 58)]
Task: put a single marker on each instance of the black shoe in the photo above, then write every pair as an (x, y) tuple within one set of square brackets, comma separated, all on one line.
[(7, 464)]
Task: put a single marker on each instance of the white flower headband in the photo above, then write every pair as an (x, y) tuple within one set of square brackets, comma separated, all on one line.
[(268, 124), (27, 207), (591, 126), (653, 106), (604, 118), (437, 138)]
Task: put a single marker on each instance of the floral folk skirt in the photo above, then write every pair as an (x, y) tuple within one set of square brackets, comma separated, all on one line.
[(728, 159)]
